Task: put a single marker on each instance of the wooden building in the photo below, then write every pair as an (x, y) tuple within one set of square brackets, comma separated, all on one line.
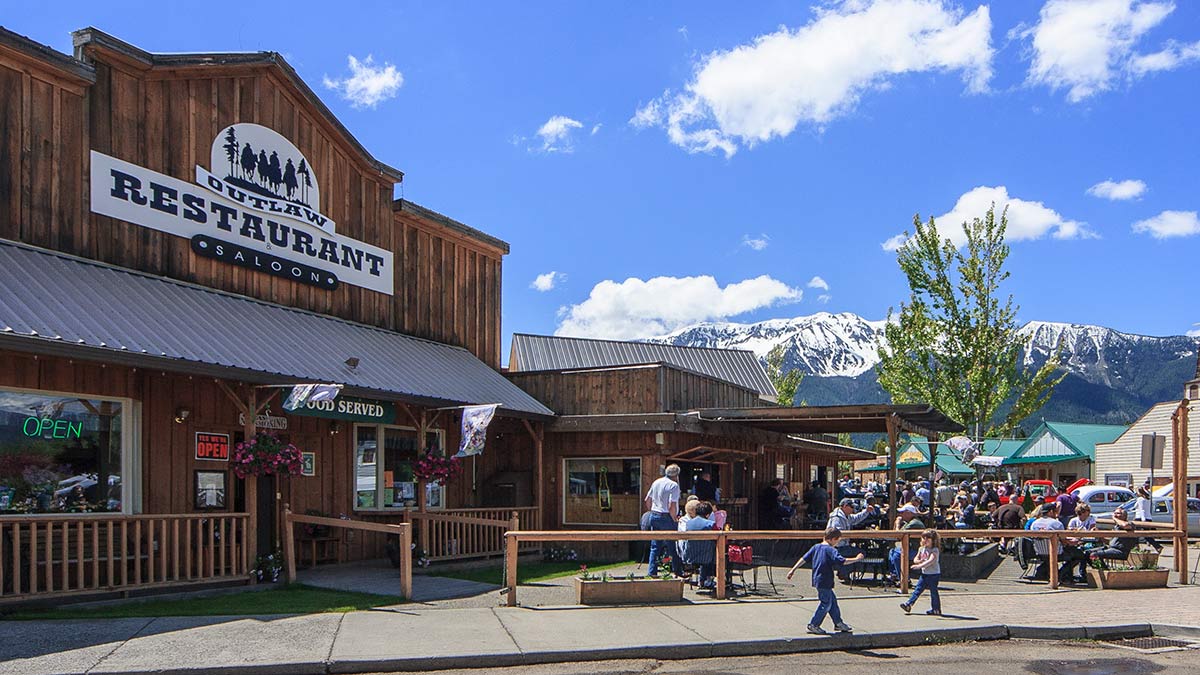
[(622, 421), (181, 237)]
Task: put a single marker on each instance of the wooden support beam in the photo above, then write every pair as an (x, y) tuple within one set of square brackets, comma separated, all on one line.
[(893, 440), (289, 545), (722, 547), (538, 433)]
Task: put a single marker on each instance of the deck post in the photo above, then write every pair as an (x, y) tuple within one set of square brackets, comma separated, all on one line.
[(893, 440), (722, 549), (289, 544), (1053, 549), (406, 561), (510, 568), (1179, 460), (904, 562)]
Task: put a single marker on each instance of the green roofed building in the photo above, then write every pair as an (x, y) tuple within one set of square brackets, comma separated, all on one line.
[(914, 461), (1061, 452)]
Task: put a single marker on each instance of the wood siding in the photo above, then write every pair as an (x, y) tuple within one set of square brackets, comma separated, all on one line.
[(447, 284), (1124, 455), (633, 389)]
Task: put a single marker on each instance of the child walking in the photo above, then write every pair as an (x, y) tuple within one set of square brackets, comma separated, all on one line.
[(825, 560), (929, 561)]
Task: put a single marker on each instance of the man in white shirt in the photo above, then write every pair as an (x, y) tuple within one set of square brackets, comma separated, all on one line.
[(662, 513), (1068, 557)]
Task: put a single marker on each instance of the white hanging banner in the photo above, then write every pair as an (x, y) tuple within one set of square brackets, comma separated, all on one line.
[(475, 420)]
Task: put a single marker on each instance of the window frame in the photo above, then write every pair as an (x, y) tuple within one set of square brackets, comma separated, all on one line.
[(131, 452), (566, 485), (380, 451)]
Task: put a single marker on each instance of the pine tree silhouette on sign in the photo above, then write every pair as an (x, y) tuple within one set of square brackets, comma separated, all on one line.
[(307, 180), (231, 149)]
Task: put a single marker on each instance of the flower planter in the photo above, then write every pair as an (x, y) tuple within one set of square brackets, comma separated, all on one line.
[(627, 592), (1114, 579), (1143, 560)]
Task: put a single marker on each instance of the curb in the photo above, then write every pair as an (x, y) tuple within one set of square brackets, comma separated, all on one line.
[(697, 650)]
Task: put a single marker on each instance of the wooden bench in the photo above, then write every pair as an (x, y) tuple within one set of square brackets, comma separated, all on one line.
[(319, 549)]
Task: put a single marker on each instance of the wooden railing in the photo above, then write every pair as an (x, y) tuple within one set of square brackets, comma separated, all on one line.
[(513, 540), (59, 555), (403, 531), (453, 534)]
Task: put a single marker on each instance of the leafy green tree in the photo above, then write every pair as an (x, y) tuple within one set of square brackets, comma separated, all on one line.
[(785, 382), (954, 344)]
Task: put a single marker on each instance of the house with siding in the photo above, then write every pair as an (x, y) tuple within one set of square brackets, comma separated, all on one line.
[(1061, 452), (1120, 462)]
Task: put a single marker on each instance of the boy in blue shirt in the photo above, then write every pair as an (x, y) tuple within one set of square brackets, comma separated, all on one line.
[(825, 560)]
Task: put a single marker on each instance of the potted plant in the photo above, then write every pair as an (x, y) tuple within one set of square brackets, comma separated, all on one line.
[(591, 589), (1107, 575), (1143, 558), (264, 455)]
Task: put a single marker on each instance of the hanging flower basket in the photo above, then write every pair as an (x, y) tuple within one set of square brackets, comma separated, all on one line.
[(437, 470), (265, 455)]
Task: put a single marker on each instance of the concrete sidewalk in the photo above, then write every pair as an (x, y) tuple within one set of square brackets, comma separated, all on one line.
[(419, 638)]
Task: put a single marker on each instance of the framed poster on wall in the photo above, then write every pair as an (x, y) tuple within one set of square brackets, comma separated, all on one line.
[(308, 464), (210, 492)]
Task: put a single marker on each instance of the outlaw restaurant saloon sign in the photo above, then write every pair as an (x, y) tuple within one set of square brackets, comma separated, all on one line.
[(264, 214)]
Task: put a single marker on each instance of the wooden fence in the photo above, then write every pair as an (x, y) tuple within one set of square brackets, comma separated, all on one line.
[(402, 530), (455, 534), (47, 556), (514, 538)]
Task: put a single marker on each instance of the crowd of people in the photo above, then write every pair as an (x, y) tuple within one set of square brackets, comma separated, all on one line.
[(927, 507)]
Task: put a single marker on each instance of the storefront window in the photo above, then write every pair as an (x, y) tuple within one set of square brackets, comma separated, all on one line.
[(387, 481), (60, 454), (602, 491)]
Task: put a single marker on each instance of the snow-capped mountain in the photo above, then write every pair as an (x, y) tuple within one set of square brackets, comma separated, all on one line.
[(1111, 376), (823, 344)]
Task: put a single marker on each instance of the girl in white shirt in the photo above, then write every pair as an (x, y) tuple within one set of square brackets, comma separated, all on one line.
[(929, 561)]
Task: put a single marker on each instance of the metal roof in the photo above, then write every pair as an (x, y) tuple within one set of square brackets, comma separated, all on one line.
[(1063, 442), (55, 303), (545, 352), (866, 418)]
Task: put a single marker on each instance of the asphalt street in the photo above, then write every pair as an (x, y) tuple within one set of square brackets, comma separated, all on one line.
[(1018, 657)]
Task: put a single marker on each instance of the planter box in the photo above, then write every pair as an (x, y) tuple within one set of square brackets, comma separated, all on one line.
[(974, 566), (626, 592), (1143, 559), (1113, 579)]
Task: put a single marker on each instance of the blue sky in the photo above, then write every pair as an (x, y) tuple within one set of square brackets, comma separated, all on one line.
[(760, 147)]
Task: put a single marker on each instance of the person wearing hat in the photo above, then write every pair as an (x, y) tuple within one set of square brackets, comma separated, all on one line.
[(907, 518), (845, 519)]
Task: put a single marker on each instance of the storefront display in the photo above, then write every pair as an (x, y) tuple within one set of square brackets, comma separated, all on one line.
[(61, 454), (602, 491), (388, 482)]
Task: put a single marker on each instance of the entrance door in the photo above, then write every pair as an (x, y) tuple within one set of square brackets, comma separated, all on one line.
[(267, 514)]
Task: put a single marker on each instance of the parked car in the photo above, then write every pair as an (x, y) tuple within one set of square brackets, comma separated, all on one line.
[(1034, 492), (1164, 512), (1104, 499)]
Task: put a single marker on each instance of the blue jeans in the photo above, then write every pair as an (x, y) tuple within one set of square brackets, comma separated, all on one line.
[(826, 604), (658, 547), (927, 582)]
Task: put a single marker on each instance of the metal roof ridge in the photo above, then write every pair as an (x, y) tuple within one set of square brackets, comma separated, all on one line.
[(216, 291), (636, 342)]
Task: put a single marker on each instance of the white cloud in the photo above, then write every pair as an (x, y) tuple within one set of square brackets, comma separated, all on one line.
[(596, 128), (1086, 46), (1169, 224), (1170, 58), (546, 282), (1027, 220), (556, 134), (756, 243), (1118, 191), (637, 308), (1195, 331), (367, 85), (818, 282), (818, 72), (824, 298)]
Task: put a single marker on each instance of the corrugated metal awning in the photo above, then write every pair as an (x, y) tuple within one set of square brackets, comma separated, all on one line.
[(55, 303), (546, 352)]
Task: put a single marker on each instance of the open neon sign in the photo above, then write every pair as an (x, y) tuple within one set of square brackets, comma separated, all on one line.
[(47, 427)]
